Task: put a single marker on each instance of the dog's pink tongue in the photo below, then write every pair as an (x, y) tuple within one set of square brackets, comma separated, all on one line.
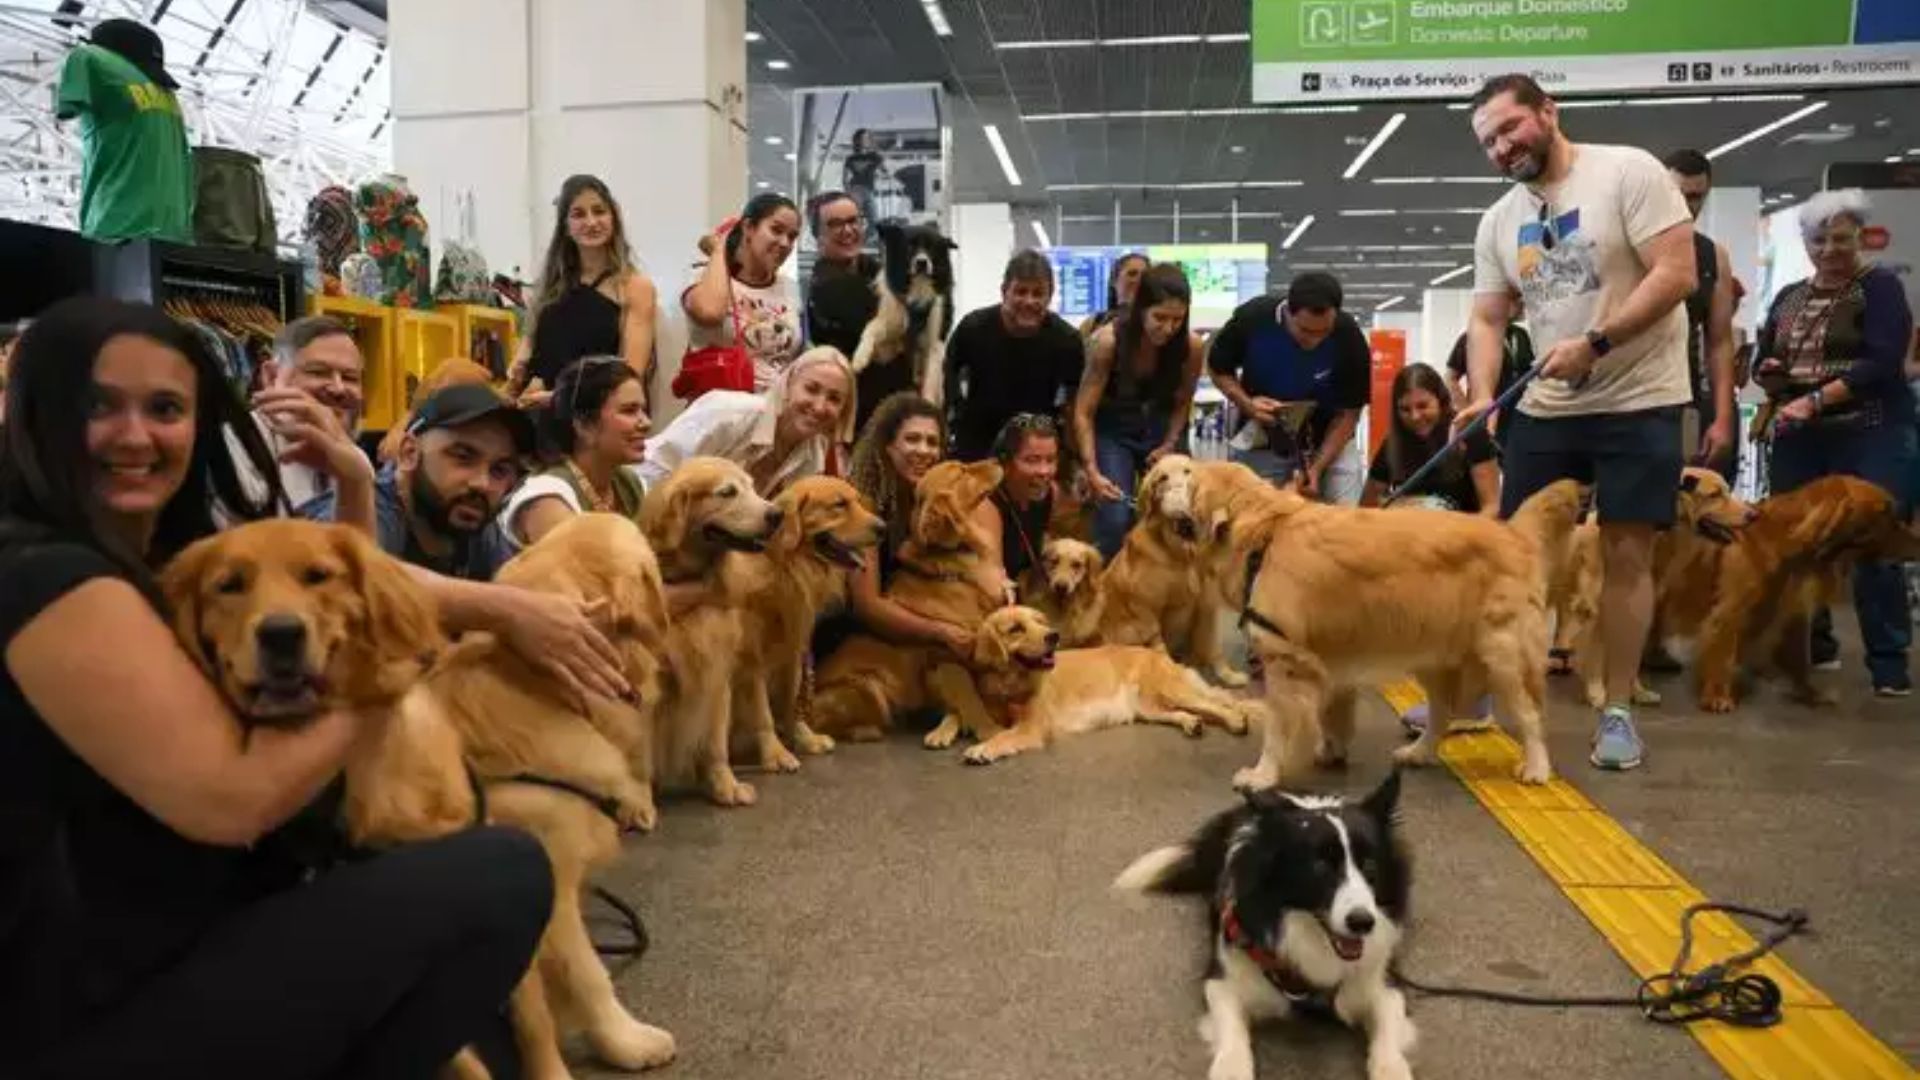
[(1349, 948)]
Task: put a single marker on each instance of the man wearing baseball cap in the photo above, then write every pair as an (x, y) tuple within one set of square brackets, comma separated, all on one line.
[(464, 452)]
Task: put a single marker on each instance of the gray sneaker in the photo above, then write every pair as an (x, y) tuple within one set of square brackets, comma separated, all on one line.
[(1616, 745)]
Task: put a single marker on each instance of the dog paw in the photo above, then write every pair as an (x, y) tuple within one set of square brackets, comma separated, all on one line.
[(1232, 1066), (1191, 727), (1645, 695), (1415, 755), (1393, 1067), (638, 813), (943, 736), (1255, 778), (1596, 696), (812, 743), (632, 1046), (1716, 701), (777, 758), (1226, 676), (1534, 769), (978, 754), (736, 793)]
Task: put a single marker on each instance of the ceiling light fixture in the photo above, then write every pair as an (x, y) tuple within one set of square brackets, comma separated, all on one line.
[(778, 65), (1198, 185), (1476, 210), (1765, 130), (790, 156), (937, 17), (1040, 231), (1438, 180), (1450, 275), (774, 140), (1379, 140), (1236, 149), (1185, 114), (1368, 213), (1000, 151), (1125, 42), (1385, 304), (1305, 224), (763, 183), (753, 37)]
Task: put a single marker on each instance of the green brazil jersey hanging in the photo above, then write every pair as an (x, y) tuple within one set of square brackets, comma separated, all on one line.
[(138, 175)]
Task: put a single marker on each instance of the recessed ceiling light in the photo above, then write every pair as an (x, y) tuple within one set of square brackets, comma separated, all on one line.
[(778, 65), (1451, 274), (753, 37), (774, 140), (1236, 148), (1385, 304), (790, 156), (937, 17), (999, 146), (1368, 213), (1040, 232), (1765, 130), (1305, 224), (763, 183)]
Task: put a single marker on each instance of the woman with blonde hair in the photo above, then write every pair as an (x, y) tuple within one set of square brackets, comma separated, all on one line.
[(792, 431), (592, 299)]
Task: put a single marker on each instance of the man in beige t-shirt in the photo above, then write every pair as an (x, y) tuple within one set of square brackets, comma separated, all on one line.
[(1598, 242)]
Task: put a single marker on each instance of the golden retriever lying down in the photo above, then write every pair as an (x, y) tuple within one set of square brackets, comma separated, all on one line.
[(1707, 517), (942, 575), (825, 531), (291, 618), (703, 523), (1753, 599), (1045, 694), (1157, 588), (1066, 587), (1338, 598)]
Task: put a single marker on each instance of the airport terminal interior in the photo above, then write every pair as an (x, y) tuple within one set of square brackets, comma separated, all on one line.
[(895, 912)]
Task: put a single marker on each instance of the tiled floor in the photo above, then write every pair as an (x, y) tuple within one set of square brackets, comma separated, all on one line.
[(890, 913)]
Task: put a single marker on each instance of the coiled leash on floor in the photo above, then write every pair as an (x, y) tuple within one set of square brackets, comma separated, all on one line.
[(1502, 402), (1675, 996), (637, 943)]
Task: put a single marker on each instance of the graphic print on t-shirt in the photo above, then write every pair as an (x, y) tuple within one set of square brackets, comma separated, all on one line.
[(1557, 272), (766, 329)]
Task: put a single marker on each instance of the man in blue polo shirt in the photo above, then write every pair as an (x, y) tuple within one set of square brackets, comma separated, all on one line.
[(1299, 373)]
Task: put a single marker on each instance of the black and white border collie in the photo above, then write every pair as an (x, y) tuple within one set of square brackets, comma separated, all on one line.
[(915, 287), (1306, 896)]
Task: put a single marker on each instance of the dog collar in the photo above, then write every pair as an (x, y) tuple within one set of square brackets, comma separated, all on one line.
[(1284, 976)]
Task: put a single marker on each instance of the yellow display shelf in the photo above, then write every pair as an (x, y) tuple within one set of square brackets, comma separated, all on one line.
[(422, 340), (477, 319)]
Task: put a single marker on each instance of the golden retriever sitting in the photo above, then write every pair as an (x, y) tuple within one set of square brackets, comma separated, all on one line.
[(1044, 694), (1157, 589), (825, 531), (1337, 598), (942, 575), (703, 523), (1753, 599), (1066, 588), (291, 618)]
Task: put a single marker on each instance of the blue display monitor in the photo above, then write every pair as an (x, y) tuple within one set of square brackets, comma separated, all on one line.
[(1223, 276)]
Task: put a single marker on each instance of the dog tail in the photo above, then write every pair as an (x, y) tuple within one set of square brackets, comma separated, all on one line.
[(1168, 870)]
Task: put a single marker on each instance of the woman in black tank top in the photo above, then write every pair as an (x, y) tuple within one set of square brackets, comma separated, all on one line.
[(1133, 403), (592, 300)]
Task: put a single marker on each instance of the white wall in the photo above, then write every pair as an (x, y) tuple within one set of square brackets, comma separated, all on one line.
[(1732, 217), (1443, 318), (984, 232)]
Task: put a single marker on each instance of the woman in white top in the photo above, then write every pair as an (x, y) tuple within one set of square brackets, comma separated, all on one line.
[(743, 292), (779, 437), (593, 426)]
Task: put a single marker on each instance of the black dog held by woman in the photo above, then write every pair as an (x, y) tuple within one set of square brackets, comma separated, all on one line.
[(1307, 896), (916, 306)]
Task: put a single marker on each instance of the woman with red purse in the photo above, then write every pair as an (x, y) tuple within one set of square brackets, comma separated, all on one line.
[(790, 432), (744, 318)]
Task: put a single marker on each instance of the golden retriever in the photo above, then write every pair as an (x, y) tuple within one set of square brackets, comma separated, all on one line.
[(1337, 598), (291, 618), (1045, 693), (1753, 598), (825, 531), (704, 523), (1157, 588), (942, 575), (1066, 587)]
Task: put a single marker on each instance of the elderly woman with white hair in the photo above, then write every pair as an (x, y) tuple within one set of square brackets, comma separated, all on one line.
[(791, 432), (1832, 356)]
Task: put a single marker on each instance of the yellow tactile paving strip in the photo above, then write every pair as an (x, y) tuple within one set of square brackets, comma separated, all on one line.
[(1635, 900)]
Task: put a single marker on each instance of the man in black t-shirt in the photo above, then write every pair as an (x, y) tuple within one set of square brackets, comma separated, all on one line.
[(1516, 357), (1276, 360), (841, 300), (1015, 357), (1710, 344)]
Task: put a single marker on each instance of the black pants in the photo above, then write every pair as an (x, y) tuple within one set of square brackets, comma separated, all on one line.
[(380, 970)]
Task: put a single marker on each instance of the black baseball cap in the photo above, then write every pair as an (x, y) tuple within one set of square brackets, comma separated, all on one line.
[(462, 404), (139, 44)]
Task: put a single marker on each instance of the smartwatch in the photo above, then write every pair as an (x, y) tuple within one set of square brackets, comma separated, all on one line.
[(1599, 343)]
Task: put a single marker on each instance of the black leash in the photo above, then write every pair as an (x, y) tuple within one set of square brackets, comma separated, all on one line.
[(1674, 996), (638, 940), (637, 943), (1501, 403)]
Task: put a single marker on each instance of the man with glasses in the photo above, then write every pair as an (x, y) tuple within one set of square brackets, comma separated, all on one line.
[(438, 506), (1598, 242), (840, 296)]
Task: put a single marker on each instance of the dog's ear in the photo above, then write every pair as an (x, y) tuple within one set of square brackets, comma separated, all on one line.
[(989, 651), (1689, 481), (180, 585), (1222, 527), (1144, 499), (950, 243), (666, 528), (1383, 803), (792, 505), (986, 474), (402, 627)]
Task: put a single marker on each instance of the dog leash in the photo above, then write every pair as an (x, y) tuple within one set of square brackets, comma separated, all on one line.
[(1479, 422), (1674, 996)]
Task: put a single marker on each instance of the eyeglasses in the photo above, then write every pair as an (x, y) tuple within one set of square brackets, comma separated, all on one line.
[(579, 369), (1030, 422), (841, 224)]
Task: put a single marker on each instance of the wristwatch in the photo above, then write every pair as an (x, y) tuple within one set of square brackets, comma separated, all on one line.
[(1599, 343)]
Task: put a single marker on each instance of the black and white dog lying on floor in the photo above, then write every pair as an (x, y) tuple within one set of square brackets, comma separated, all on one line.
[(915, 287), (1306, 896)]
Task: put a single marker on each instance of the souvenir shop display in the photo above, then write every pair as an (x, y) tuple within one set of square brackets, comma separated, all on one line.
[(334, 232), (231, 207), (463, 277), (237, 327), (136, 177), (393, 233)]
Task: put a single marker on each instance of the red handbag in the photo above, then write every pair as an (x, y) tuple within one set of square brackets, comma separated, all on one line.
[(716, 367)]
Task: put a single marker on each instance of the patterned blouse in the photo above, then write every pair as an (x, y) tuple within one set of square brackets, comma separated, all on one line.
[(1859, 333)]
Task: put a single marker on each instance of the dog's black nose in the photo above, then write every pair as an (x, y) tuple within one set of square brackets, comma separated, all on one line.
[(1360, 923), (282, 639), (774, 516), (1053, 638)]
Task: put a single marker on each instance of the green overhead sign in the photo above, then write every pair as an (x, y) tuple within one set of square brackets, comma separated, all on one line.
[(1308, 51)]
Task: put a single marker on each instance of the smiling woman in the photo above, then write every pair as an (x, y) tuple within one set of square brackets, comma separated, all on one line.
[(792, 431)]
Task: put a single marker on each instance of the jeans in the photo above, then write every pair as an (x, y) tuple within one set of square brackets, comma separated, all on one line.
[(1122, 439), (1882, 455), (1341, 484)]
